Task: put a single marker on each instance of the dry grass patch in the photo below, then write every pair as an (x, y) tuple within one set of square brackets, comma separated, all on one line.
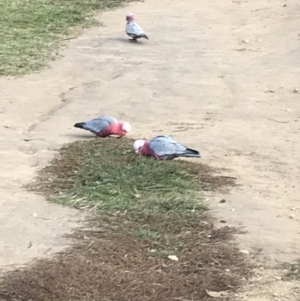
[(144, 211)]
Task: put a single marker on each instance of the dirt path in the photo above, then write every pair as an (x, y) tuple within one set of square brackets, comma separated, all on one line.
[(219, 77)]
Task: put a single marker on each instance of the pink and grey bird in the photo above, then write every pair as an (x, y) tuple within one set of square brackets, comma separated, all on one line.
[(133, 29), (164, 147), (104, 126)]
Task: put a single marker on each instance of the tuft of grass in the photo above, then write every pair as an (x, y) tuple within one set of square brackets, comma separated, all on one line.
[(108, 175), (147, 234), (31, 30)]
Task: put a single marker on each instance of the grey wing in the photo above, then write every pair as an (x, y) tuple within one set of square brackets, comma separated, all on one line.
[(96, 125), (133, 29), (166, 146)]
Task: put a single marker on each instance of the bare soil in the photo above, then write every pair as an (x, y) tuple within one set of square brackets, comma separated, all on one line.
[(221, 77)]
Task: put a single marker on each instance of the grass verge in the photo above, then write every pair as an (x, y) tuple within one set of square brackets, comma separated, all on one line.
[(31, 30), (144, 212)]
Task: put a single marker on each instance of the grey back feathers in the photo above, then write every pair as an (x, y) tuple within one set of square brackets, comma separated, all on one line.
[(96, 125), (135, 31), (166, 146)]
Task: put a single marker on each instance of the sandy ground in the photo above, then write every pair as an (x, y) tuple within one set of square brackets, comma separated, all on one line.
[(220, 76)]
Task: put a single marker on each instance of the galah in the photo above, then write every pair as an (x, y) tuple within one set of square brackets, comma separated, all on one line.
[(104, 126), (134, 30), (163, 147)]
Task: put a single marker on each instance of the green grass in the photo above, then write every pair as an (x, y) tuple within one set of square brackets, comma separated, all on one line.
[(108, 175), (144, 211), (31, 30), (158, 201), (152, 200)]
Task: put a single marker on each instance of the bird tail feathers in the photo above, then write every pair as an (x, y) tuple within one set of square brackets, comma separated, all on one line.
[(79, 125), (192, 153), (145, 36)]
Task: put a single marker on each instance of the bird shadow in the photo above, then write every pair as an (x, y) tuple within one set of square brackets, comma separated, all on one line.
[(127, 41), (81, 136), (88, 137)]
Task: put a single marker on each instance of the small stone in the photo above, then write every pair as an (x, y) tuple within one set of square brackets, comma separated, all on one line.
[(244, 251), (222, 201), (173, 257)]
